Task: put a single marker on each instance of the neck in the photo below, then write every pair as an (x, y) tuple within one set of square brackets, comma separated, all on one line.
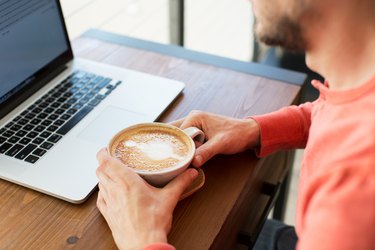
[(342, 51)]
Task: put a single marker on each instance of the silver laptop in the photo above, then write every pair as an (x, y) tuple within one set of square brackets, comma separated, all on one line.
[(56, 112)]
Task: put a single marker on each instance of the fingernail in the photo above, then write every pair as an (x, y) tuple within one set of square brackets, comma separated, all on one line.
[(193, 173), (198, 160)]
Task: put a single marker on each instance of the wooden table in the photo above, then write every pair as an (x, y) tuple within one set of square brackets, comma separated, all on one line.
[(231, 199)]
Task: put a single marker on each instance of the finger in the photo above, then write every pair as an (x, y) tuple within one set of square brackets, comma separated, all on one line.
[(101, 204), (197, 144), (102, 155), (118, 172), (178, 185), (178, 122), (103, 190), (205, 152), (112, 167), (102, 171)]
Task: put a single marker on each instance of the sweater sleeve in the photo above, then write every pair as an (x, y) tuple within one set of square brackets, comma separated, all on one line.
[(159, 246), (284, 129)]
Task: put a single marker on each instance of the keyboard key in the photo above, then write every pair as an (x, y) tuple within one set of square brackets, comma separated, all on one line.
[(32, 107), (36, 121), (46, 123), (52, 128), (57, 94), (36, 110), (49, 110), (38, 140), (39, 128), (68, 94), (25, 152), (52, 117), (14, 150), (54, 138), (43, 105), (10, 124), (66, 106), (5, 147), (25, 141), (50, 99), (59, 122), (39, 152), (29, 116), (42, 115), (60, 111), (23, 122), (8, 134), (15, 127), (62, 99), (17, 118), (78, 106), (94, 102), (65, 117), (2, 130), (55, 105), (104, 83), (74, 120), (45, 134), (29, 127), (21, 133), (2, 139), (13, 139), (32, 134), (71, 111), (72, 100), (46, 145), (32, 159)]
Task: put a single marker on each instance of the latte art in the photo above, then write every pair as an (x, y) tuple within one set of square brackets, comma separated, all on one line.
[(152, 150)]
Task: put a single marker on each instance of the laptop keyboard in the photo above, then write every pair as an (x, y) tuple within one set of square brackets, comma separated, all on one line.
[(38, 128)]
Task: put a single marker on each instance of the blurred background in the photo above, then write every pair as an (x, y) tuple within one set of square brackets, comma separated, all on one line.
[(220, 27)]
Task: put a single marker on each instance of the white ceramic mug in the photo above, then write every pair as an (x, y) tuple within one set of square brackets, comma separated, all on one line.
[(162, 176)]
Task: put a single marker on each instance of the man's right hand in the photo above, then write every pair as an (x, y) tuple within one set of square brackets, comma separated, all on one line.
[(224, 135)]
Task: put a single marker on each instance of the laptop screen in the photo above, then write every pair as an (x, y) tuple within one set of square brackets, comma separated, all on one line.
[(32, 37)]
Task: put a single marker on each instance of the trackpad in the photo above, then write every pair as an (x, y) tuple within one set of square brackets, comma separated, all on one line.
[(109, 122)]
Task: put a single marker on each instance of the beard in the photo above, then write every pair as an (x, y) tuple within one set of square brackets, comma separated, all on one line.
[(282, 32)]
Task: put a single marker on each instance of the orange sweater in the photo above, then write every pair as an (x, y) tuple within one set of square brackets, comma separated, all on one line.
[(336, 199)]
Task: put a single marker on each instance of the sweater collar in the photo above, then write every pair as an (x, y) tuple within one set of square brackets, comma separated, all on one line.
[(344, 96)]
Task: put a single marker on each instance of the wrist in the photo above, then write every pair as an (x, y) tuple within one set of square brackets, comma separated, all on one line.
[(252, 132)]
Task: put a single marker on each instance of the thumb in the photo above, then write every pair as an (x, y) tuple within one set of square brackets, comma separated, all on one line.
[(178, 185), (205, 152)]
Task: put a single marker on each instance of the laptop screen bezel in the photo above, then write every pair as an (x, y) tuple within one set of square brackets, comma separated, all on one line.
[(39, 79)]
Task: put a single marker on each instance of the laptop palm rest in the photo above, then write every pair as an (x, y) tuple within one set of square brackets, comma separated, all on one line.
[(111, 120)]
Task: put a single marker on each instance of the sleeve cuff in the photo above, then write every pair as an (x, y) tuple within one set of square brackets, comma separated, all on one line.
[(159, 246), (284, 129)]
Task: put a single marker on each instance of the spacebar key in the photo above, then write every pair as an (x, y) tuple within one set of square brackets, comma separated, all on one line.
[(74, 120)]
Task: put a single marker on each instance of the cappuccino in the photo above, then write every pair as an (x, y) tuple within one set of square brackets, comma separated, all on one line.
[(152, 149)]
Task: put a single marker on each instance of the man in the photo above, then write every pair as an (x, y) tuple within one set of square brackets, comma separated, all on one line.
[(336, 202)]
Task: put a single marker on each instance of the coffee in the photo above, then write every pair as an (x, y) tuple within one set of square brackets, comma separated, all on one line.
[(153, 149)]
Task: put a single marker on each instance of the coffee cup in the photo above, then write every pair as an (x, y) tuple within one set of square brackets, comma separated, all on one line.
[(156, 151)]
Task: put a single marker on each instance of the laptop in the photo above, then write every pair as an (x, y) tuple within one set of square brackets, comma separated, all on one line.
[(57, 112)]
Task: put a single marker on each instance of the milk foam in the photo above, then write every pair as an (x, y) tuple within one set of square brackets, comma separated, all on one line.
[(152, 150), (155, 150)]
